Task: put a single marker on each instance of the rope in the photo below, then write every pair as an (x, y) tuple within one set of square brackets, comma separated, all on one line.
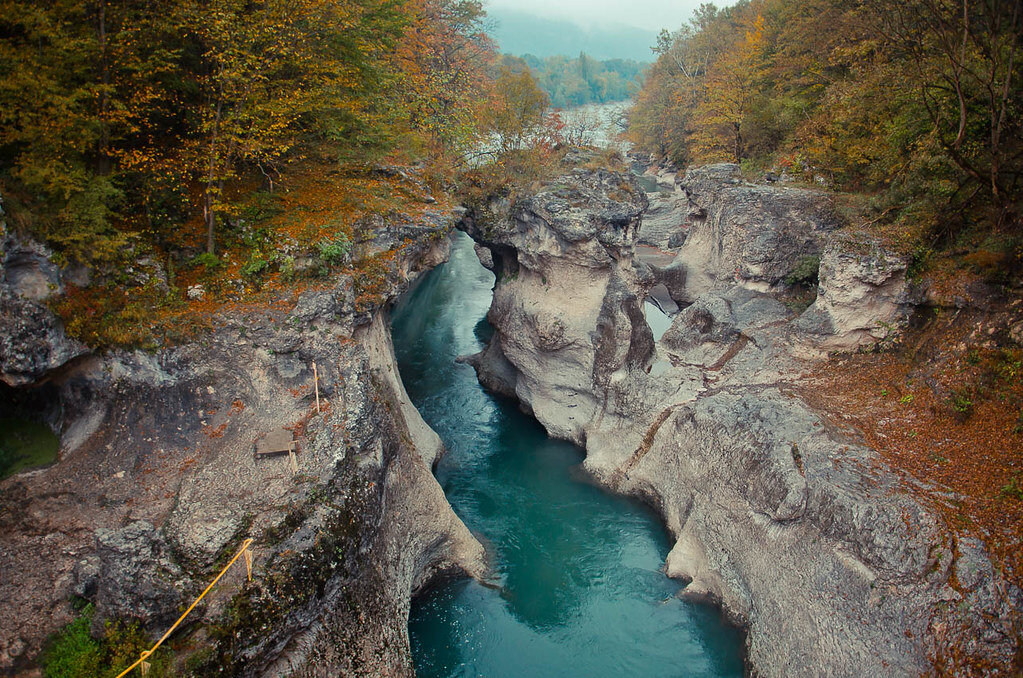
[(148, 653)]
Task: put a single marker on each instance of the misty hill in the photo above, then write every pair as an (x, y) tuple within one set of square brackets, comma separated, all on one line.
[(520, 33)]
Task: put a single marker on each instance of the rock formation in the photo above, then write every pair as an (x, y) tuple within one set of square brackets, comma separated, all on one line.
[(793, 526), (32, 339), (862, 297), (750, 234), (157, 483), (557, 256)]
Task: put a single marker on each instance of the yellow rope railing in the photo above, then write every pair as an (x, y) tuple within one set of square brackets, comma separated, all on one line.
[(148, 653)]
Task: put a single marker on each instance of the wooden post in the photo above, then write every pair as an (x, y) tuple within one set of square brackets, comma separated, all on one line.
[(145, 668), (248, 563), (294, 461), (316, 386)]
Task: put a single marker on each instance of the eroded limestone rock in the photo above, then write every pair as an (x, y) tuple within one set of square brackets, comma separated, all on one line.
[(751, 234), (795, 529), (863, 296), (163, 442), (571, 242)]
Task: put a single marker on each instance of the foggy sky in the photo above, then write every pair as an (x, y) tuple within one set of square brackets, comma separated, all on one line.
[(651, 15)]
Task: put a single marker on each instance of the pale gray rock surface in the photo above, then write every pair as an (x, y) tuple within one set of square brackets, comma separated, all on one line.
[(664, 221), (749, 234), (771, 239), (572, 242), (792, 526), (862, 297)]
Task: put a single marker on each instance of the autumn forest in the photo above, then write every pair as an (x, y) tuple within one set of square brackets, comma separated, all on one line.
[(133, 117), (913, 108), (127, 125)]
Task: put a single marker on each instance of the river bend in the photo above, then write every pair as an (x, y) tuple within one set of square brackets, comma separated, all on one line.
[(577, 588)]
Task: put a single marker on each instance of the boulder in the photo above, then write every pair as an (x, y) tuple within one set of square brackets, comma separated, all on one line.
[(751, 234), (862, 296), (33, 342), (485, 256), (137, 579), (27, 269)]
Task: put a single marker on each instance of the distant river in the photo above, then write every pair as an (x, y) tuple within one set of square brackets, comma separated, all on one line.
[(597, 124), (577, 587)]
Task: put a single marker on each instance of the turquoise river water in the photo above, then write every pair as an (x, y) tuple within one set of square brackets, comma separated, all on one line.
[(576, 588)]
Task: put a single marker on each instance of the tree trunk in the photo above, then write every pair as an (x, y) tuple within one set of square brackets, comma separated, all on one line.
[(210, 216), (208, 208)]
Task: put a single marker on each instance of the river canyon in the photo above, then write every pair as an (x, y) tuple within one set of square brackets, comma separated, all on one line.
[(576, 586), (522, 464)]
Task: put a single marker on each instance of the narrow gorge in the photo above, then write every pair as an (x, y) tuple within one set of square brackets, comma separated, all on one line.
[(575, 583), (789, 549), (450, 338)]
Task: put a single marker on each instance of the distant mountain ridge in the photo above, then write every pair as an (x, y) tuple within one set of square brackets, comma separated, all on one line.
[(520, 33)]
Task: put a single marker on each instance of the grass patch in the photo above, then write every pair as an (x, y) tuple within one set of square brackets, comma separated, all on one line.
[(74, 653), (1013, 489), (24, 445)]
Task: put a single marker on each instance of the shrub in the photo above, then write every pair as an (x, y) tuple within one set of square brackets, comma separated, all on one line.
[(1012, 489), (805, 272), (73, 653), (286, 265), (511, 171), (255, 266), (961, 403), (336, 251), (260, 206), (919, 261), (210, 262)]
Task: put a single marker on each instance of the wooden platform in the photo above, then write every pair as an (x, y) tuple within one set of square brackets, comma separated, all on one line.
[(281, 441)]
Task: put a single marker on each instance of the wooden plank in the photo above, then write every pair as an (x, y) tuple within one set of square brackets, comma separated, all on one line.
[(276, 442)]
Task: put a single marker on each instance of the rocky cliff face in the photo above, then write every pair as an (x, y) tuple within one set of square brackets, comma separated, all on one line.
[(753, 235), (33, 341), (157, 485), (720, 231), (791, 524), (563, 260)]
